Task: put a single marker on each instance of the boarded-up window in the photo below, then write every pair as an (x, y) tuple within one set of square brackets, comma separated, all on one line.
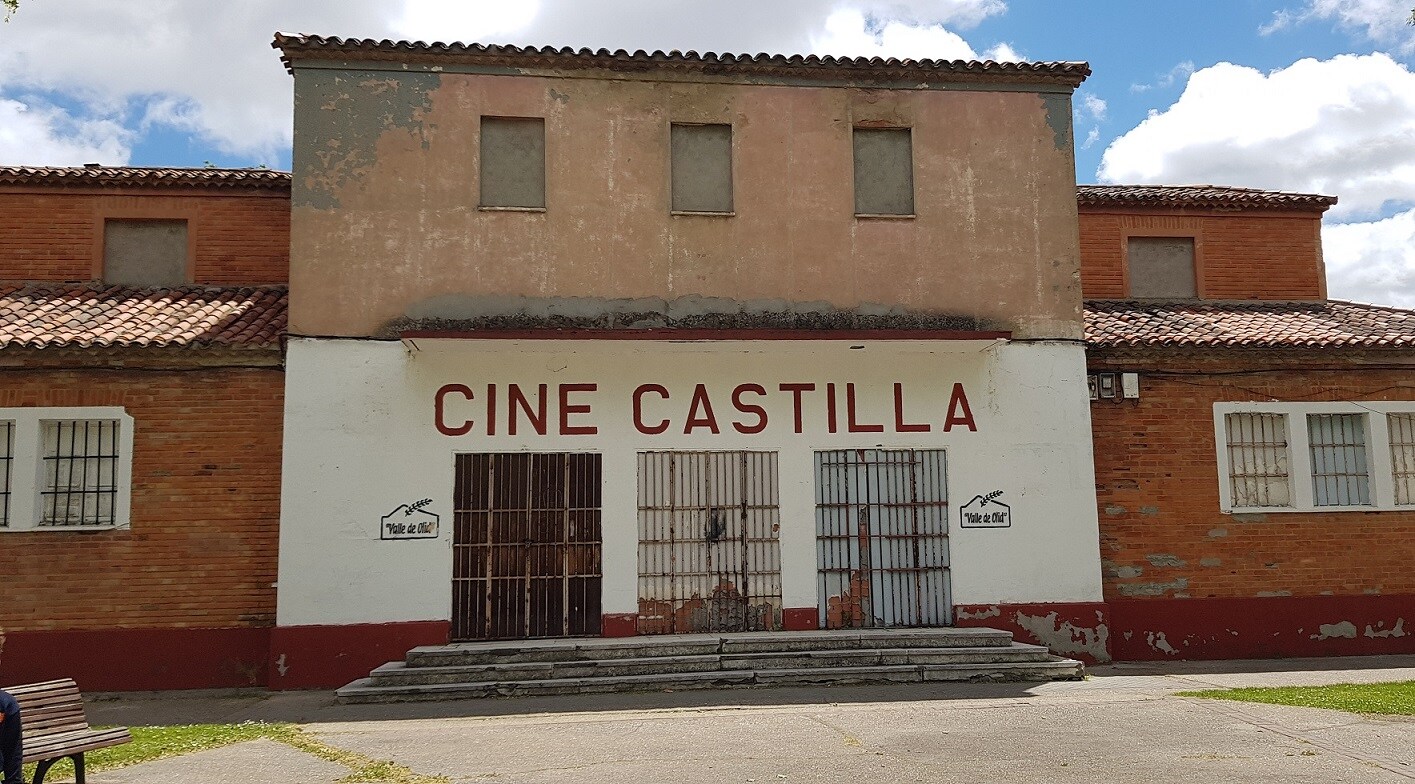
[(1340, 471), (702, 168), (512, 162), (884, 171), (142, 252), (1258, 460), (1161, 267)]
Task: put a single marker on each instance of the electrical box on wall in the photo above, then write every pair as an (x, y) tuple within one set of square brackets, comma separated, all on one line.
[(1114, 386)]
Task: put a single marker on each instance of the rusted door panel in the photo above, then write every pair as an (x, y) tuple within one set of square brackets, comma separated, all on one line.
[(526, 545), (709, 559), (882, 538)]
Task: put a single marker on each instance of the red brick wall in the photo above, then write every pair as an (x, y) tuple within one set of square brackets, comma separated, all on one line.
[(1162, 535), (1243, 255), (237, 237), (201, 551)]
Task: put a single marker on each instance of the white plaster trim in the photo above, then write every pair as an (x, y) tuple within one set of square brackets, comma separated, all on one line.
[(1299, 464)]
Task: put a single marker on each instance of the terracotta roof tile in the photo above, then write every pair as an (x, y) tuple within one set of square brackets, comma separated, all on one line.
[(1197, 196), (138, 176), (1248, 324), (313, 47), (53, 315)]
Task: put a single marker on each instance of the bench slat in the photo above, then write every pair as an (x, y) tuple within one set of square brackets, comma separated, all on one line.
[(55, 724), (73, 744)]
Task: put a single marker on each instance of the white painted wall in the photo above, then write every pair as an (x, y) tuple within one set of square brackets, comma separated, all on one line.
[(360, 440)]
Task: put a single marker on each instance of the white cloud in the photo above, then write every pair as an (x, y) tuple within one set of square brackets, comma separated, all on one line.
[(1090, 105), (206, 67), (1344, 126), (1178, 72), (1385, 22), (31, 132), (850, 33), (1372, 262)]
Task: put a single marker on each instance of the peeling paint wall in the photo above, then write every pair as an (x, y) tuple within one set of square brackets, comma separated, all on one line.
[(386, 221)]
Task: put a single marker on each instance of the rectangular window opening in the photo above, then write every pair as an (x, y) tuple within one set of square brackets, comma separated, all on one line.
[(701, 168), (145, 252), (884, 171), (1161, 267), (7, 469), (80, 473), (513, 162), (1258, 460), (1340, 470), (1402, 456)]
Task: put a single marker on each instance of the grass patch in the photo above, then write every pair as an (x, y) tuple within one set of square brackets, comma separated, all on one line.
[(154, 743), (1395, 698)]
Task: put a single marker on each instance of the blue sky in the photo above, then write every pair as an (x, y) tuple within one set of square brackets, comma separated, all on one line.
[(1307, 95)]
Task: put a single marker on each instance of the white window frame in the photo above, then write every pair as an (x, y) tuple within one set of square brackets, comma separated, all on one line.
[(27, 474), (1299, 457)]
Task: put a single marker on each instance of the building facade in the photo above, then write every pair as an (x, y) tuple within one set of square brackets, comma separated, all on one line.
[(586, 343), (1254, 482), (141, 403)]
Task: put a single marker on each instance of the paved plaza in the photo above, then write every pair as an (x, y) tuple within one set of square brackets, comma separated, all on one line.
[(1122, 724)]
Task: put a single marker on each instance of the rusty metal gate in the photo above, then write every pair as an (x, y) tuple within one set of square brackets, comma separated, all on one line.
[(526, 546), (882, 538), (708, 554)]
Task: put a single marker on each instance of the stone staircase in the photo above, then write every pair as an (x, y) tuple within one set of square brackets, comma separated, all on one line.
[(593, 665)]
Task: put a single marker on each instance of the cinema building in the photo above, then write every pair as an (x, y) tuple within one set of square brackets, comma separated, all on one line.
[(626, 348), (595, 344)]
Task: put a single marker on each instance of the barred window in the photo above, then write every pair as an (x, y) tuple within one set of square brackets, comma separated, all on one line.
[(80, 472), (7, 469), (1402, 456), (1340, 474), (1316, 456), (1258, 460)]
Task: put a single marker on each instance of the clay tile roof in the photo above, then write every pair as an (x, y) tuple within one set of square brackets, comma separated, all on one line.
[(54, 315), (1248, 324), (1197, 196), (315, 47), (140, 176)]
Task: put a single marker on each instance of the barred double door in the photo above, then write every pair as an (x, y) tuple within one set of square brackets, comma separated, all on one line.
[(526, 545)]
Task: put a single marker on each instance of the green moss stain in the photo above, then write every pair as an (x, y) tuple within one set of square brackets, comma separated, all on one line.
[(1058, 111), (339, 118)]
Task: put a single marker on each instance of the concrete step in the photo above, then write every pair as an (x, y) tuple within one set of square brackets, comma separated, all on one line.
[(365, 691), (598, 648), (400, 674)]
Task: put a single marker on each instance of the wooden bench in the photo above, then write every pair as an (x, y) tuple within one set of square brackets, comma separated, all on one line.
[(52, 719)]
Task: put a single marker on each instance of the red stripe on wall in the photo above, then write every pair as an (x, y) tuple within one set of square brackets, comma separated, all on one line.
[(1077, 630), (139, 659), (327, 657), (1262, 628)]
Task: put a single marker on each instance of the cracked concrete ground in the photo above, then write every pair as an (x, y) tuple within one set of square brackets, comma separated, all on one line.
[(1121, 725)]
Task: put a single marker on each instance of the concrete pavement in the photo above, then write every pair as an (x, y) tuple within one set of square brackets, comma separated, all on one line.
[(1122, 724)]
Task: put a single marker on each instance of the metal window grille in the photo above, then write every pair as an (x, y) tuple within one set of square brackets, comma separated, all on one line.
[(526, 545), (80, 472), (882, 538), (7, 461), (1340, 469), (1402, 456), (1258, 460), (709, 559)]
